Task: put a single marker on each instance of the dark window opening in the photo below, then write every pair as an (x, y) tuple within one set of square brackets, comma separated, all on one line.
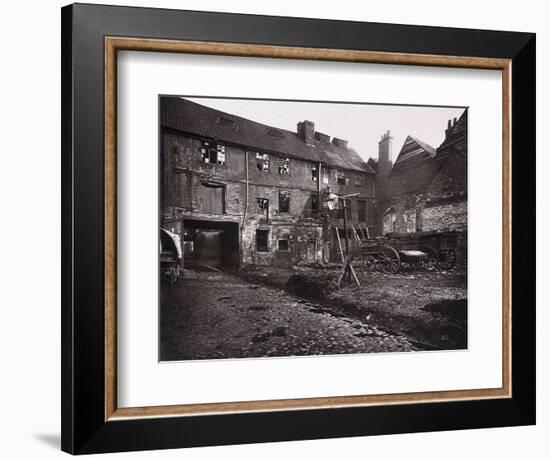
[(263, 204), (362, 211), (314, 203), (284, 166), (261, 240), (284, 245), (262, 162), (340, 178), (314, 173), (263, 207), (212, 153), (284, 202)]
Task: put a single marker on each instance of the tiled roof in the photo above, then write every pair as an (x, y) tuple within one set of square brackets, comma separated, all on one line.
[(192, 118), (418, 163), (412, 152), (455, 136)]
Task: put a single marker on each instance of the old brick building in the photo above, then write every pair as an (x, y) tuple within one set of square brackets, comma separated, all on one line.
[(426, 188), (240, 192)]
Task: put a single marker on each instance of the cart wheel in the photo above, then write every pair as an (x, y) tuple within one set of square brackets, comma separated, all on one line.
[(448, 259), (389, 260), (432, 262)]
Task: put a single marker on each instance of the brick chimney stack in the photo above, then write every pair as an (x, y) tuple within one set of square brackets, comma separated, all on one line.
[(385, 163), (306, 131)]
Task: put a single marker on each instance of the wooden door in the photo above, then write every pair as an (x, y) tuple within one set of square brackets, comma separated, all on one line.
[(212, 199)]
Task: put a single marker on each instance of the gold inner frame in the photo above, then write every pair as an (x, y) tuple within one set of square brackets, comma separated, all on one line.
[(114, 44)]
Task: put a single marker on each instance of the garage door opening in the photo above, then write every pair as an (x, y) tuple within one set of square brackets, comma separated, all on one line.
[(210, 243)]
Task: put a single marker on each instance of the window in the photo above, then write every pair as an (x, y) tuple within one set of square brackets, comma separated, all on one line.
[(283, 245), (263, 206), (284, 201), (362, 211), (284, 166), (340, 178), (314, 173), (212, 153), (314, 202), (262, 162), (358, 182), (261, 240)]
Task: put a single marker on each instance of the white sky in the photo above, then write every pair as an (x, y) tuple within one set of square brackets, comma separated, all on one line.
[(362, 125)]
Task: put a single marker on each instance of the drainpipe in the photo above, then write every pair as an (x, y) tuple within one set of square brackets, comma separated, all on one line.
[(320, 209), (246, 189)]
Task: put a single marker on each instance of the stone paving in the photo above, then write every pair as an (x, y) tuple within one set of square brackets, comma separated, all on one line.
[(217, 315)]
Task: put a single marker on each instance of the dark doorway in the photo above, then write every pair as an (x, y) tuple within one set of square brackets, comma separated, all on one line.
[(213, 243)]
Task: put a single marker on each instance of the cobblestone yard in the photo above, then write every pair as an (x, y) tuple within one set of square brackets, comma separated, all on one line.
[(219, 315)]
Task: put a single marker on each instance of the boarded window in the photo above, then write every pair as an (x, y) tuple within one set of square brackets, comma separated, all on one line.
[(284, 245), (262, 162), (212, 199), (284, 166), (212, 153), (362, 211), (314, 173), (284, 202), (261, 240), (340, 178)]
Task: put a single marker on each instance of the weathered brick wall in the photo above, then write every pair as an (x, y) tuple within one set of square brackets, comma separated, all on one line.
[(450, 216), (305, 229)]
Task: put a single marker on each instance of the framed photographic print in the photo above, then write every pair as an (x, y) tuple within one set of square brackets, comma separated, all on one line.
[(281, 228)]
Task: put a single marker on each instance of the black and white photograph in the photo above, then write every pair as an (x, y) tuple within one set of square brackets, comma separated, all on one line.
[(300, 228)]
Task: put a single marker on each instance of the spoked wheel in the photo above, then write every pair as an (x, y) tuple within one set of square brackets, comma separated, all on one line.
[(432, 261), (366, 262), (388, 260), (448, 259)]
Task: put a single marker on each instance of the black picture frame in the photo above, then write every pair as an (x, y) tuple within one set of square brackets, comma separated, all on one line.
[(84, 427)]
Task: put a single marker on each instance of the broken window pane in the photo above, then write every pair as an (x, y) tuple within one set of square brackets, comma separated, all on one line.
[(284, 166), (212, 153), (261, 240), (284, 201), (340, 178), (262, 162), (314, 173), (263, 206)]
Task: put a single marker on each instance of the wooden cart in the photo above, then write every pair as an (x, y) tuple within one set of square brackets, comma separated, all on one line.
[(394, 251)]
